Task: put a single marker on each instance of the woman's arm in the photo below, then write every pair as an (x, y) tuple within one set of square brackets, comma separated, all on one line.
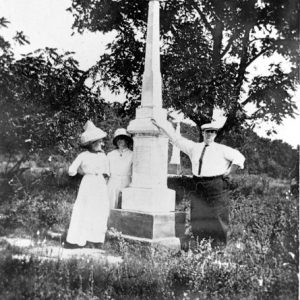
[(73, 169)]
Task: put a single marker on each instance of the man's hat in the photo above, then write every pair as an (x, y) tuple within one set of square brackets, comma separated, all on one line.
[(91, 133), (122, 133), (211, 126)]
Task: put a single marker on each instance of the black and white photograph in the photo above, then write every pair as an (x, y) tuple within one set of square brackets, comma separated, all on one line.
[(149, 149)]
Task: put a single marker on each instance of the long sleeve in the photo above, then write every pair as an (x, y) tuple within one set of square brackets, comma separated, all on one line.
[(182, 143), (185, 145), (234, 156), (73, 169)]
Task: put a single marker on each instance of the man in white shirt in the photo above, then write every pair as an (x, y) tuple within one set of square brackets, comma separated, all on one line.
[(211, 165)]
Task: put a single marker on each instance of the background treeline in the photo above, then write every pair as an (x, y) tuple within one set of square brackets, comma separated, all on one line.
[(45, 99), (52, 135), (45, 102)]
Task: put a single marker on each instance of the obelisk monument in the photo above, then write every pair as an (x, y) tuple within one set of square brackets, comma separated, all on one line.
[(148, 206)]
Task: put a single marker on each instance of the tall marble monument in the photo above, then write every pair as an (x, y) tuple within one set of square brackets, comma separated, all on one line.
[(148, 206)]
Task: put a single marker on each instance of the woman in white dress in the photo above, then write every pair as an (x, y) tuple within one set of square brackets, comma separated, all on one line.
[(120, 166), (91, 208)]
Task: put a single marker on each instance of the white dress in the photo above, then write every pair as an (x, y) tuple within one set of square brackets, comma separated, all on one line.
[(120, 169), (91, 208)]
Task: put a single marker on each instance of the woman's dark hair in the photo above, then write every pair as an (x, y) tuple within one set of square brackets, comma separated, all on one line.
[(128, 141), (89, 146)]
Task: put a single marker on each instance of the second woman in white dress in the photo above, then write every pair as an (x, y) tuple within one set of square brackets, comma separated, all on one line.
[(120, 166)]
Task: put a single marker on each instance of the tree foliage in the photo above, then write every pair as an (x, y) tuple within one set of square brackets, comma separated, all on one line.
[(264, 156), (45, 100), (208, 49)]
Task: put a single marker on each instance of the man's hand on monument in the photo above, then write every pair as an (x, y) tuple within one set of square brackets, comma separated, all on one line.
[(155, 123), (165, 126)]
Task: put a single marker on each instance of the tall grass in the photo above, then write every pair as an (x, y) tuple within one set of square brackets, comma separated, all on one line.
[(261, 261)]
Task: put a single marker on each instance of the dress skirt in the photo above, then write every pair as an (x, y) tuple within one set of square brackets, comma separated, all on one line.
[(115, 185), (90, 211)]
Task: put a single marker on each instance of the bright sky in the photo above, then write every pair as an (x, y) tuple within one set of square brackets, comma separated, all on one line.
[(47, 23)]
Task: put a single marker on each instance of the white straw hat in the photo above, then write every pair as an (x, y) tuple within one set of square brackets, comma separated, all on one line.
[(91, 133), (121, 132)]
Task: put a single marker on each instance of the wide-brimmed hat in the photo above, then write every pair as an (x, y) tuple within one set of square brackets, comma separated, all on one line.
[(122, 133), (211, 126), (91, 133)]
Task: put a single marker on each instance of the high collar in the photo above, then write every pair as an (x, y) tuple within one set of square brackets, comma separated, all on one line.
[(123, 150), (210, 144), (95, 152)]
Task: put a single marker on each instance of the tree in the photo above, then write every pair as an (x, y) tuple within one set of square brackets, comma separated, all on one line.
[(208, 48), (264, 156), (44, 100)]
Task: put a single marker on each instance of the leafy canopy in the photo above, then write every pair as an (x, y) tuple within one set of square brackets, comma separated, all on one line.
[(44, 99), (208, 47)]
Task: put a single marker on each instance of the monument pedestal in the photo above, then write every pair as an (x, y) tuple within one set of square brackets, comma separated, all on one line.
[(147, 215), (148, 206), (148, 199), (152, 229)]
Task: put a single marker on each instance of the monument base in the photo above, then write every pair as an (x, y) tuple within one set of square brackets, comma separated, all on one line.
[(148, 199), (161, 229)]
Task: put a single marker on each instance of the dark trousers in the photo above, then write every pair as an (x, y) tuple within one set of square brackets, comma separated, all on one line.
[(209, 208)]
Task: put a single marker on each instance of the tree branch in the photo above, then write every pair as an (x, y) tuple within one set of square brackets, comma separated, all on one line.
[(232, 38), (257, 55), (246, 101), (254, 115), (244, 58), (202, 16)]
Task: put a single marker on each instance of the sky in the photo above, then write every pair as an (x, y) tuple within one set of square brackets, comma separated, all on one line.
[(46, 23)]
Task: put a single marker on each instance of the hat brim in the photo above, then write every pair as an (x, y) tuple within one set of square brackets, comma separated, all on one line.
[(92, 140), (127, 138), (211, 128)]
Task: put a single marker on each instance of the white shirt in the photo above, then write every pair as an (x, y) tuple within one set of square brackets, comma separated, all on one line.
[(217, 158), (120, 163)]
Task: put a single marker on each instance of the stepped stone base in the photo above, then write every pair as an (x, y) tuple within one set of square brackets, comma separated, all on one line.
[(150, 228), (148, 200)]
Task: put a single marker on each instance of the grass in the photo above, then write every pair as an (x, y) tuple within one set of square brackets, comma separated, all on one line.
[(261, 263)]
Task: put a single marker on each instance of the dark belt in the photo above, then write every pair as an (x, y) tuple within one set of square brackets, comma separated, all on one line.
[(203, 178)]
